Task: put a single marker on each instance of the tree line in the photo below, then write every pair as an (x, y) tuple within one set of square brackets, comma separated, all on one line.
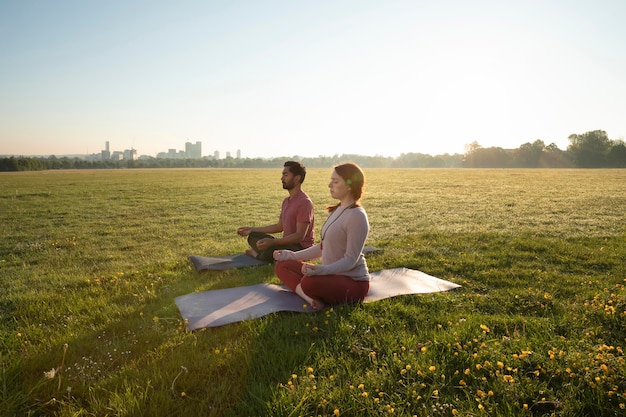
[(592, 149)]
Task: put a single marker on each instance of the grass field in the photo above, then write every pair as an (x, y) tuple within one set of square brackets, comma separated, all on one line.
[(90, 262)]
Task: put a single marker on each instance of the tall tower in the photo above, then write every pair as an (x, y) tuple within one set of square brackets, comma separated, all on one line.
[(106, 153)]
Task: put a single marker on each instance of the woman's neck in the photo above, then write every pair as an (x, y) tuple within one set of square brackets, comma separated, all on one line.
[(346, 203)]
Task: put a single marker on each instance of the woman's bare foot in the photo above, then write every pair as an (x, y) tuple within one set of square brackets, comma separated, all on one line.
[(317, 304), (251, 252)]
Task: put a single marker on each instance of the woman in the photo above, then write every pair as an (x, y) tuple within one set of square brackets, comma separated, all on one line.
[(342, 275)]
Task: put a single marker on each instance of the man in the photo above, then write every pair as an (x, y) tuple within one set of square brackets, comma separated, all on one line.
[(296, 219)]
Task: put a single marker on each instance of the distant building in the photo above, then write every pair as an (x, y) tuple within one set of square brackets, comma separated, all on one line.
[(238, 153), (130, 155), (216, 154), (193, 151), (106, 153)]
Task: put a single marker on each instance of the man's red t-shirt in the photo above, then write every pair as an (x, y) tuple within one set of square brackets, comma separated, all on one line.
[(298, 209)]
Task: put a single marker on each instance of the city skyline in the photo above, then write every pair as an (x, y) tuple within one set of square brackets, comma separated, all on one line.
[(193, 150), (309, 78)]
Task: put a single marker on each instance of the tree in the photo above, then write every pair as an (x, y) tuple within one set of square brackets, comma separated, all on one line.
[(553, 157), (528, 155), (8, 164), (590, 149), (479, 157), (616, 158)]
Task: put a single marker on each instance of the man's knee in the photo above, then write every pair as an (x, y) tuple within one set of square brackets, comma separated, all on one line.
[(266, 255)]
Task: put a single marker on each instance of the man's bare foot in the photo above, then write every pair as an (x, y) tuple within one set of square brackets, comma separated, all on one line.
[(251, 252)]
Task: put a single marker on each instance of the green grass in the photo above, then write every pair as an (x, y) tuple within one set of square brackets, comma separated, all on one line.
[(90, 262)]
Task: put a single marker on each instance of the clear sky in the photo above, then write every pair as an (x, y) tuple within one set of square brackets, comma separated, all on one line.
[(308, 77)]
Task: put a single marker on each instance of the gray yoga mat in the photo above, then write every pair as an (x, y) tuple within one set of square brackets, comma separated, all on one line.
[(219, 307), (241, 260)]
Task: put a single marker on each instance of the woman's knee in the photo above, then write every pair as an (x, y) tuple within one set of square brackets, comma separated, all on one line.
[(279, 267)]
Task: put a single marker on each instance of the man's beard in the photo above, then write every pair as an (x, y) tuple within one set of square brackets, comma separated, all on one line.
[(287, 185)]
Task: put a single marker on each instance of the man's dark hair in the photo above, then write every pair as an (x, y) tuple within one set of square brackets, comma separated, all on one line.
[(296, 168)]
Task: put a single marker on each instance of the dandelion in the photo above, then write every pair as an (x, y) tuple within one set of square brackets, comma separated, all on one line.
[(50, 374), (309, 370), (485, 328), (336, 412), (432, 368), (183, 369)]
